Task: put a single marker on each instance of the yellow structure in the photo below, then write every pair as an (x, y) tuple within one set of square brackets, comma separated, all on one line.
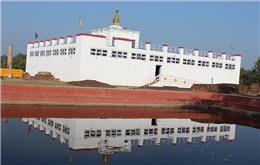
[(15, 72)]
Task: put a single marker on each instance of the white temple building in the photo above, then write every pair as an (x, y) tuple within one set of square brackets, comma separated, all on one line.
[(115, 56), (108, 136)]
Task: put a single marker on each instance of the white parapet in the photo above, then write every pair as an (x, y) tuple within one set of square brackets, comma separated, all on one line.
[(210, 54), (69, 39), (165, 48), (196, 52), (181, 50), (36, 44), (41, 43), (54, 42), (47, 42), (30, 45), (61, 40), (148, 45)]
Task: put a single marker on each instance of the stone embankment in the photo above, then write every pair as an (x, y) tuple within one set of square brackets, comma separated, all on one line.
[(111, 97)]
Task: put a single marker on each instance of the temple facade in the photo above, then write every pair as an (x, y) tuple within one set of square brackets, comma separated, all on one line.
[(115, 56)]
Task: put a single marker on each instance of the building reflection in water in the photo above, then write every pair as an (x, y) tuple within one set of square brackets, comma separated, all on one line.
[(109, 136)]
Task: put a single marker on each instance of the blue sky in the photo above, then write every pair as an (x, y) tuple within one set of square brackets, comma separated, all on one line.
[(204, 25)]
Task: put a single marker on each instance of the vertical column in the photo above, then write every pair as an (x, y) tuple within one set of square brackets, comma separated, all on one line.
[(165, 48), (210, 54), (148, 45), (10, 56), (196, 52), (223, 56), (181, 50)]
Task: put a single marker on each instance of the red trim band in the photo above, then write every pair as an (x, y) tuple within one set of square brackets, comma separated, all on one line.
[(148, 43), (48, 40), (54, 39), (70, 36), (164, 45), (181, 47), (218, 55), (210, 51), (30, 43), (236, 55), (140, 146), (92, 35), (36, 42), (223, 53), (196, 49), (41, 41), (123, 39), (203, 142), (61, 38)]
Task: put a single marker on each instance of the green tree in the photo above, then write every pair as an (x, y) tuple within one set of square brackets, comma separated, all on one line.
[(19, 56), (19, 64), (252, 75)]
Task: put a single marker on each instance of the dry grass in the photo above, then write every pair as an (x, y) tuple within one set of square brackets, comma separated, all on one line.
[(34, 82)]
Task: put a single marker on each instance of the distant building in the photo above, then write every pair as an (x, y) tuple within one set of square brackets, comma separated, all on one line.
[(115, 56)]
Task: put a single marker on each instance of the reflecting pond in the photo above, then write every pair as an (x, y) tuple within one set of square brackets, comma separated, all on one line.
[(88, 140)]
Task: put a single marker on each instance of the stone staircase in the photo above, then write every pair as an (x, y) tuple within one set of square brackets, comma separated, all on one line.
[(79, 96)]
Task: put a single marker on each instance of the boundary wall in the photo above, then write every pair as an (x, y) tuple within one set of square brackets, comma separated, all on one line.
[(115, 97)]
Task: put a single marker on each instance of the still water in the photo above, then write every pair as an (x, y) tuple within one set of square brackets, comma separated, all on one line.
[(127, 141)]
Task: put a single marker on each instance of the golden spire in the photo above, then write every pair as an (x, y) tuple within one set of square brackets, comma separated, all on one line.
[(105, 158), (116, 18)]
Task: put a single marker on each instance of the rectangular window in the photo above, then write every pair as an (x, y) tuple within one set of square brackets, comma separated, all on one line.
[(71, 51), (31, 53), (156, 58), (63, 51), (98, 52), (132, 132), (36, 53), (58, 126), (204, 63), (173, 60), (216, 65), (56, 52), (167, 131), (138, 56), (48, 52), (92, 133), (113, 132), (66, 129), (188, 62), (230, 66), (42, 52), (50, 123), (197, 129), (119, 54), (183, 130), (212, 129), (151, 131)]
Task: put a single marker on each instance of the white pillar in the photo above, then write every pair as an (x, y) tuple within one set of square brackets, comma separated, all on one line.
[(196, 52), (181, 50), (140, 143), (47, 42), (157, 142), (223, 55), (210, 54), (61, 40), (165, 48), (54, 42), (148, 45), (69, 39), (173, 139), (36, 44), (41, 43)]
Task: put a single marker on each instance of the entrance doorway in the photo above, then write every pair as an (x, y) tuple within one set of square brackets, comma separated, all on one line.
[(157, 70)]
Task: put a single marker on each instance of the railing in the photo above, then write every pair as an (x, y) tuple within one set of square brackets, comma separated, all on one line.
[(156, 47), (173, 79)]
